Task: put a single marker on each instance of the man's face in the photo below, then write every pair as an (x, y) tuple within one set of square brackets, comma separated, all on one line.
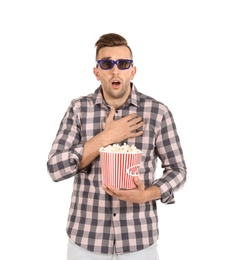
[(115, 82)]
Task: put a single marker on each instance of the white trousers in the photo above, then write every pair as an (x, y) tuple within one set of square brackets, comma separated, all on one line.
[(75, 252)]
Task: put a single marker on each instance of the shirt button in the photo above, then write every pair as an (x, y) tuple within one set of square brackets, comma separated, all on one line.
[(114, 214)]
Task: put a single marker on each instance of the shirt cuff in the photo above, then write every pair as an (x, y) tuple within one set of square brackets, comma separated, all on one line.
[(167, 195)]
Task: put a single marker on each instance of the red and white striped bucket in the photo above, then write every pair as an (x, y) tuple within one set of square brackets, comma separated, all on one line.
[(118, 169)]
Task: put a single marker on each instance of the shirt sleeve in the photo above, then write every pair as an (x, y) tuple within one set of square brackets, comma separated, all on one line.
[(66, 151), (168, 149)]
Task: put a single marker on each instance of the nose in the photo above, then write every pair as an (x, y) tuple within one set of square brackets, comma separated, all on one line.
[(115, 69)]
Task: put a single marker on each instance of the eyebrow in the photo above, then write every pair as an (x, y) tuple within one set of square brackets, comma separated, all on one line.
[(106, 58)]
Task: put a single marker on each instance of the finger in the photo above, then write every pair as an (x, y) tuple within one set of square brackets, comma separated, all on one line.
[(103, 187), (139, 183), (111, 114), (137, 120), (112, 189), (136, 133), (130, 117), (137, 126), (109, 189)]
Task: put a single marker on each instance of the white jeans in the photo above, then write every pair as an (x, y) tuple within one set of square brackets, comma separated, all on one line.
[(75, 252)]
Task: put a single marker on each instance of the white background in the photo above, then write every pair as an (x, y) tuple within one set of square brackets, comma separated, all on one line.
[(46, 59)]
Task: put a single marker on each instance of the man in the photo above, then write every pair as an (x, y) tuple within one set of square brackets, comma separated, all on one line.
[(103, 220)]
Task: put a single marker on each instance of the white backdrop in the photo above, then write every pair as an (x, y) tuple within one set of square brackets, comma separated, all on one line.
[(46, 59)]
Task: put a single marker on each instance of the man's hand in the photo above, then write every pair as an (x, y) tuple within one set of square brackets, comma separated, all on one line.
[(137, 195), (115, 131), (118, 130)]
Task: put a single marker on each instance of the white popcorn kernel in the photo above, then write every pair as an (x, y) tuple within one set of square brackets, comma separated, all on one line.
[(116, 148)]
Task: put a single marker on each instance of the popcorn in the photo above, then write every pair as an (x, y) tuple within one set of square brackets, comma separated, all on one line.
[(116, 148)]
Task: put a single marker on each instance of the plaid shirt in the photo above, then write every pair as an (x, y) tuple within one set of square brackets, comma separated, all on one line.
[(96, 221)]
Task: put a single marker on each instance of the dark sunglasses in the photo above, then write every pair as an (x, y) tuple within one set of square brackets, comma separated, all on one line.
[(109, 64)]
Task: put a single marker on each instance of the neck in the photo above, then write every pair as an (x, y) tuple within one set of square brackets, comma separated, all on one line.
[(116, 102)]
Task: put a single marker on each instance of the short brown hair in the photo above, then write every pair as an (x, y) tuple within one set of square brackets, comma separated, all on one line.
[(111, 40)]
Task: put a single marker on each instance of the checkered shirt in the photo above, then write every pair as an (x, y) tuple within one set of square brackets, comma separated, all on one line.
[(96, 221)]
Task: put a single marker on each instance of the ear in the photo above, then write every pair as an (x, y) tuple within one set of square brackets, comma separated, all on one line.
[(96, 73), (133, 72)]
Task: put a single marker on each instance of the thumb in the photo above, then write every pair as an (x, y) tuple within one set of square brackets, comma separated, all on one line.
[(139, 183), (111, 114)]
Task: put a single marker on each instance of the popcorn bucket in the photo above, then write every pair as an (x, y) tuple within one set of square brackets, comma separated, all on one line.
[(118, 169)]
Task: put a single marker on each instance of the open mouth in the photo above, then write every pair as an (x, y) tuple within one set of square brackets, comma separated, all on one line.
[(116, 83)]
